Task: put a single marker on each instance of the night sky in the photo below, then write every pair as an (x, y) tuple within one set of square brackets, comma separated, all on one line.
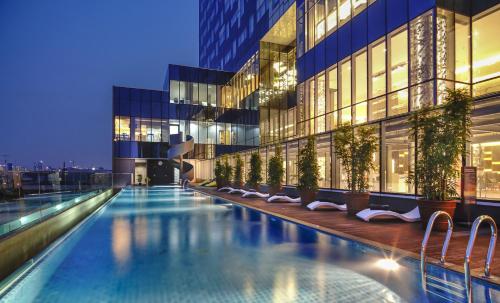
[(59, 60)]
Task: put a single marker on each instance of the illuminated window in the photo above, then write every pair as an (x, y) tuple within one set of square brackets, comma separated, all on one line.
[(398, 61), (331, 15), (345, 83), (358, 6), (360, 77), (344, 8), (485, 153), (398, 153), (319, 12), (321, 104), (345, 116), (398, 73), (174, 91), (310, 29), (486, 52), (377, 69), (421, 50), (122, 128), (360, 113), (154, 134), (324, 161), (462, 48), (332, 90), (377, 109)]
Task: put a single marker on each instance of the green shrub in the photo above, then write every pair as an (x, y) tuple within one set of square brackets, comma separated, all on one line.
[(228, 171), (308, 168), (275, 170), (254, 175), (441, 135), (219, 173), (355, 147), (238, 171)]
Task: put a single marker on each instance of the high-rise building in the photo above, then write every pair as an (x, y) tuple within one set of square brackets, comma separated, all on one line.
[(278, 71)]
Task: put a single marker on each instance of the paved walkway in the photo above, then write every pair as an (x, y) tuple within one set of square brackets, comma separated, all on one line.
[(388, 234)]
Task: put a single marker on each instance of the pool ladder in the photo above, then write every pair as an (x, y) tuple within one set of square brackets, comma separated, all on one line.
[(468, 253)]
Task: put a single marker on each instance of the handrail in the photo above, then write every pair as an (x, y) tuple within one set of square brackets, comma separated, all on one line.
[(470, 245), (430, 224)]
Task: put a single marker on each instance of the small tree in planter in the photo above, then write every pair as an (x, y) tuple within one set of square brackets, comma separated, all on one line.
[(275, 171), (354, 148), (219, 174), (308, 172), (441, 136), (238, 172), (254, 175), (228, 171)]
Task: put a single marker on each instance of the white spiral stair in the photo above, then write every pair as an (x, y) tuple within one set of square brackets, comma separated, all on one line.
[(178, 148)]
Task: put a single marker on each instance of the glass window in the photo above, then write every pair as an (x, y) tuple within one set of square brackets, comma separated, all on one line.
[(319, 11), (122, 128), (360, 77), (332, 90), (397, 157), (358, 6), (377, 69), (485, 155), (345, 116), (321, 104), (310, 29), (360, 113), (398, 61), (291, 162), (345, 83), (174, 91), (376, 109), (164, 131), (344, 11), (462, 48), (202, 93), (397, 102), (331, 15), (155, 132), (212, 95), (324, 161), (182, 92), (486, 52)]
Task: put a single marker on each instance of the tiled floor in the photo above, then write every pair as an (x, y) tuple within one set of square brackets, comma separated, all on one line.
[(405, 236)]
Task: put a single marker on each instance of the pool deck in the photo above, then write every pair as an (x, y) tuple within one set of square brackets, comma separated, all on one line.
[(404, 238)]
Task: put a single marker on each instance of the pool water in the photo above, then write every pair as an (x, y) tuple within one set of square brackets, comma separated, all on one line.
[(166, 244)]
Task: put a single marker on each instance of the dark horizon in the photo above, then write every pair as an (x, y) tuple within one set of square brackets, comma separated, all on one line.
[(60, 61)]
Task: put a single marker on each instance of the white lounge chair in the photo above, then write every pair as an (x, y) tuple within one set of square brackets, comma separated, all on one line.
[(314, 205), (368, 214), (225, 188), (237, 191), (276, 198), (250, 194)]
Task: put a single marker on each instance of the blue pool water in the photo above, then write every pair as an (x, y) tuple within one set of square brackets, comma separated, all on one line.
[(174, 245)]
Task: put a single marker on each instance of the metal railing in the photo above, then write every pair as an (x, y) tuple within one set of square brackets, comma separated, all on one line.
[(470, 245), (423, 257)]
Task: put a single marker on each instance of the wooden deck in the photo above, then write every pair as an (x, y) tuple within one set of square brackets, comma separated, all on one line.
[(406, 237)]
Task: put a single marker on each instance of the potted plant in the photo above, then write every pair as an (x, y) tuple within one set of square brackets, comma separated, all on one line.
[(308, 172), (441, 136), (254, 175), (228, 172), (219, 174), (275, 171), (354, 148), (238, 172)]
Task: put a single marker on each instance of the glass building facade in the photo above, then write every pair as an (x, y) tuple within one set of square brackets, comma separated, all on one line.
[(300, 68), (373, 62)]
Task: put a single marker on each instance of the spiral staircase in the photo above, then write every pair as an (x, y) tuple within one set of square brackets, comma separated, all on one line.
[(178, 148)]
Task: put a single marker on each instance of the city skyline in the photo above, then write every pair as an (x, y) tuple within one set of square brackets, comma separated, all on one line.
[(62, 58)]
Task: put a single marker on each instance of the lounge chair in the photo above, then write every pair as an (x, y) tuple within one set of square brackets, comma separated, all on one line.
[(237, 191), (252, 193), (283, 198), (316, 204), (368, 214), (225, 188)]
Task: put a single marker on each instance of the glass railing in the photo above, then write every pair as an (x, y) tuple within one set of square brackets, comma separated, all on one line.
[(27, 198)]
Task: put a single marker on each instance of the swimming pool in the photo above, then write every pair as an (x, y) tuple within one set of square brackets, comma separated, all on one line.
[(167, 244)]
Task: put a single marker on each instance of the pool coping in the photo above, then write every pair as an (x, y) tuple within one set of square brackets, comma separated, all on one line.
[(14, 277), (449, 266)]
